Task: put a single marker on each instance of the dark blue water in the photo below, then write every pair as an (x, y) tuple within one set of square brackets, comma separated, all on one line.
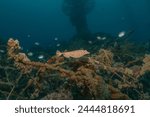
[(42, 20)]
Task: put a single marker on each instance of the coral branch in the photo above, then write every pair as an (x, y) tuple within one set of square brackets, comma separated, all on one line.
[(97, 76)]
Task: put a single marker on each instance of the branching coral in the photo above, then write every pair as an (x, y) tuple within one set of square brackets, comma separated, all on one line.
[(97, 76), (84, 78), (105, 57), (127, 78)]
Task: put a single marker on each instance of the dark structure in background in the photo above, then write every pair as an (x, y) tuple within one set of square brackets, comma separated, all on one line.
[(77, 11)]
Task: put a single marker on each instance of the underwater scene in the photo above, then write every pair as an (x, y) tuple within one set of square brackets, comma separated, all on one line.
[(74, 49)]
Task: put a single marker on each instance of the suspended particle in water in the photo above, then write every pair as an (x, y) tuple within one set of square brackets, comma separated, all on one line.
[(21, 48), (28, 36), (122, 18)]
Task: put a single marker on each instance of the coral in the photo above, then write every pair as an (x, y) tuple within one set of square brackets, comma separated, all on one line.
[(87, 79), (105, 57), (96, 76), (84, 78), (18, 57), (146, 65)]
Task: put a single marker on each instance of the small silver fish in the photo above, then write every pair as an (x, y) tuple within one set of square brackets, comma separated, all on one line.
[(41, 57), (2, 51), (104, 38), (30, 54), (90, 42), (121, 34), (37, 43), (56, 38), (101, 38), (98, 38), (58, 45)]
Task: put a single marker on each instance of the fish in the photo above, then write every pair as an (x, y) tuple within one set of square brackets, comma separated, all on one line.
[(37, 43), (121, 34), (30, 54), (98, 38), (90, 42), (2, 51), (56, 38), (104, 38), (41, 57), (58, 45), (73, 54)]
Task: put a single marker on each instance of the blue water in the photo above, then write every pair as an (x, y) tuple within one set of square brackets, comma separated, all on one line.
[(42, 20)]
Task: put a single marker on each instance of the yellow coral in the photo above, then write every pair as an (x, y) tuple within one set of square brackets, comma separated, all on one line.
[(106, 57)]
